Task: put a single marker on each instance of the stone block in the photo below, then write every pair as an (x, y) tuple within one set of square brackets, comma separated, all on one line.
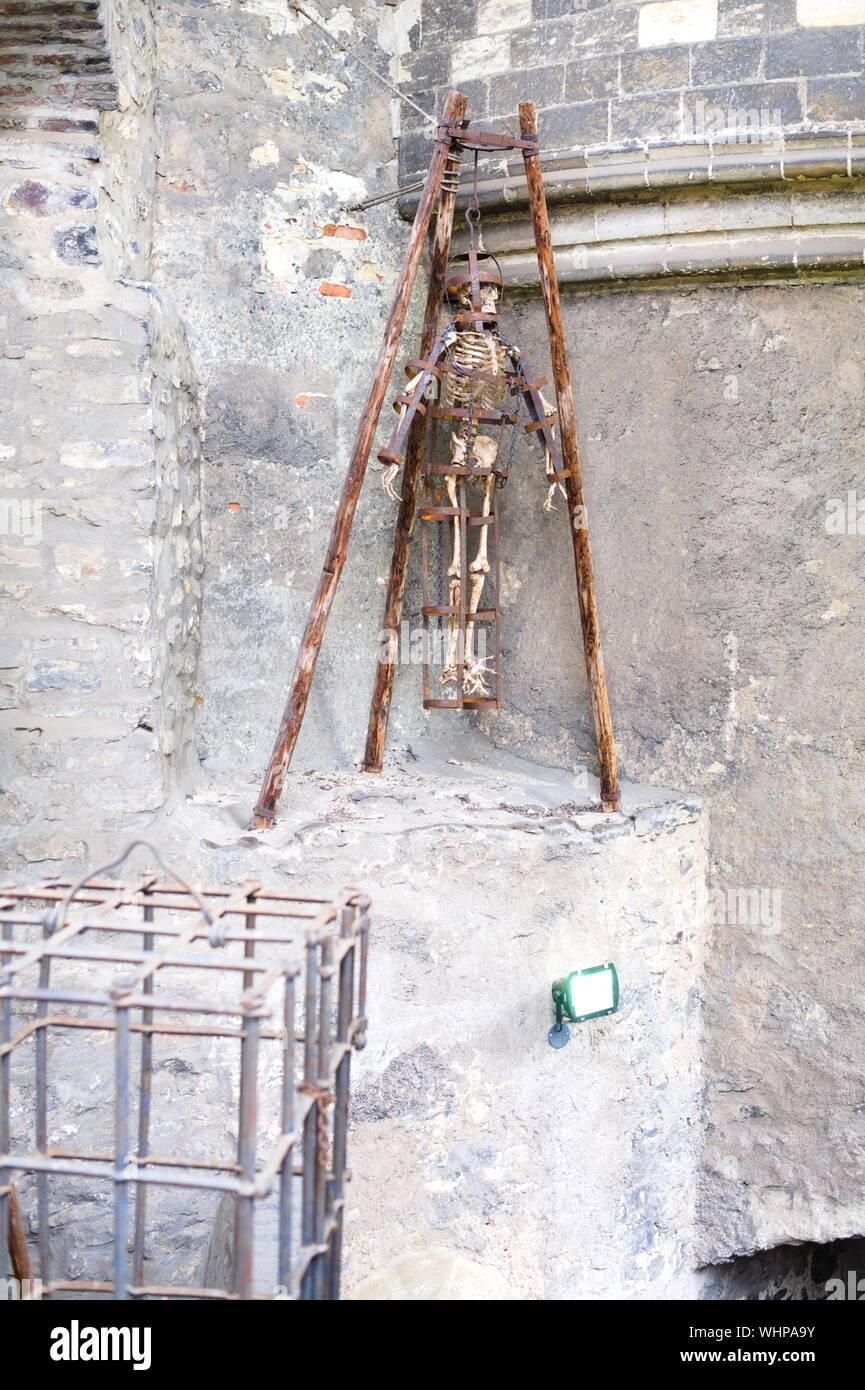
[(734, 60), (446, 21), (584, 124), (744, 113), (646, 118), (743, 18), (605, 29), (592, 79), (677, 21), (812, 53), (821, 13), (480, 57), (836, 99), (500, 16), (543, 86), (656, 69)]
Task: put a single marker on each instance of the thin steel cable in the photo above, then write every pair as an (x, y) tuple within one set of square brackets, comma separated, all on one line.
[(293, 5)]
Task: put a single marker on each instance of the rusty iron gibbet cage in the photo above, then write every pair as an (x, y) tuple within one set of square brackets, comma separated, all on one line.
[(274, 982)]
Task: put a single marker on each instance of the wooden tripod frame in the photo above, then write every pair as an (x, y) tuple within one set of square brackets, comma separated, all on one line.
[(453, 135)]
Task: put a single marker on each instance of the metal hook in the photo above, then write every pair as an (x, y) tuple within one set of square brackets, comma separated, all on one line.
[(55, 919), (473, 221)]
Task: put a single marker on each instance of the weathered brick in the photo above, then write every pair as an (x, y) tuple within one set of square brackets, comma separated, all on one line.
[(735, 60), (433, 100), (814, 53), (742, 18), (62, 675), (41, 199), (414, 153), (655, 69), (554, 9), (77, 245), (426, 67), (446, 21), (605, 30), (820, 13), (500, 16), (480, 57), (837, 99)]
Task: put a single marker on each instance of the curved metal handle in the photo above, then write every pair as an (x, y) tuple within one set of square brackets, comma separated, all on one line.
[(56, 918)]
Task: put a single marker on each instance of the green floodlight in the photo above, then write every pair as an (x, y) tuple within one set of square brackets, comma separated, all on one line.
[(582, 995)]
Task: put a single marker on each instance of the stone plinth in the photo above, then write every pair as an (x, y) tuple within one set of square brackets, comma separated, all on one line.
[(486, 1164)]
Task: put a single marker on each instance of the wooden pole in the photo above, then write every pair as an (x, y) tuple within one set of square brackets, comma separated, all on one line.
[(336, 552), (594, 653), (383, 688), (18, 1251)]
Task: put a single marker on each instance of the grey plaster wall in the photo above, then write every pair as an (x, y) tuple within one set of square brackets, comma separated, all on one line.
[(722, 435)]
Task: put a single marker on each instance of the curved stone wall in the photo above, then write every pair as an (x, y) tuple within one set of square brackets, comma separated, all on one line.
[(632, 76)]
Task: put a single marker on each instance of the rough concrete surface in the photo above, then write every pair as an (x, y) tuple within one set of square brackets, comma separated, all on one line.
[(480, 1155), (717, 429)]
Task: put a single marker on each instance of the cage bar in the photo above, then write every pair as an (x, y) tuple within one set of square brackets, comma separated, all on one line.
[(148, 967), (436, 520)]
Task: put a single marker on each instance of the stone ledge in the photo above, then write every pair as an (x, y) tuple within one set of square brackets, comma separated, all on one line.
[(634, 232), (761, 252), (607, 173)]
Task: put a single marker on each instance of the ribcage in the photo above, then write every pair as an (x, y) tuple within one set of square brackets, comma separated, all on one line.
[(476, 352)]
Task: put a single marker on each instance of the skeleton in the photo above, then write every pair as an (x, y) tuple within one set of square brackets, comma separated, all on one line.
[(477, 371)]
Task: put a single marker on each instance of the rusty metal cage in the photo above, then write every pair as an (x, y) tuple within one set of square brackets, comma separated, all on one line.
[(258, 990), (477, 632)]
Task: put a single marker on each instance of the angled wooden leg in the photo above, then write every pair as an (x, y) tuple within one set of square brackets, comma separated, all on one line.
[(336, 552), (594, 653), (18, 1251), (383, 688)]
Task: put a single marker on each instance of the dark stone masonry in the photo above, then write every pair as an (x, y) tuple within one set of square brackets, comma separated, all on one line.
[(607, 75)]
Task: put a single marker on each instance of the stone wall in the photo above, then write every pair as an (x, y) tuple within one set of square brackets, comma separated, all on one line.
[(182, 251), (720, 428), (268, 135), (722, 433), (486, 1164), (610, 76), (101, 545)]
